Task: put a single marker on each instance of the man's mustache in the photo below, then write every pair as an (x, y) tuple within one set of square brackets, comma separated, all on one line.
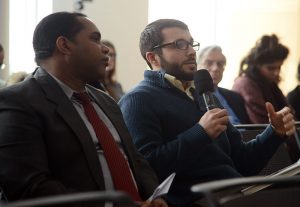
[(190, 61)]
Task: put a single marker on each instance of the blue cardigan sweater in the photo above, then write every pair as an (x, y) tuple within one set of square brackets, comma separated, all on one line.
[(163, 122)]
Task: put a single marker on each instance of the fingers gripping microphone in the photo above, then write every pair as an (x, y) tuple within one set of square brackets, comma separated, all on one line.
[(205, 87)]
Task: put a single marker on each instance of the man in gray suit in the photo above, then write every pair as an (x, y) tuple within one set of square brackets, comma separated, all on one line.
[(49, 141)]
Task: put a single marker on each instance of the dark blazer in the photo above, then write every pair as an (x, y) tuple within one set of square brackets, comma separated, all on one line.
[(237, 104), (45, 147), (293, 98)]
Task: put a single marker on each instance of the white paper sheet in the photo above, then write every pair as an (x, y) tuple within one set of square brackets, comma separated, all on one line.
[(163, 188)]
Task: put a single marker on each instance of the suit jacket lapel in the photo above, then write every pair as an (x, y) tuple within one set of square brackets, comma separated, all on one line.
[(232, 103), (67, 111)]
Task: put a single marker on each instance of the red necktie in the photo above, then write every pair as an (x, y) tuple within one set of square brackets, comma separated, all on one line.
[(117, 164)]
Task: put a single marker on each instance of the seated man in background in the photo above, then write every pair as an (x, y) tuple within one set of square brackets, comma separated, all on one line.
[(175, 134), (59, 135), (212, 59)]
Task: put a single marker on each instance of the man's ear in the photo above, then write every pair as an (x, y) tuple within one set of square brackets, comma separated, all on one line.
[(153, 59), (63, 45)]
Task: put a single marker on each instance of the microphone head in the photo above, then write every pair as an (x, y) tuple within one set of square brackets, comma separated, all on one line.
[(203, 81)]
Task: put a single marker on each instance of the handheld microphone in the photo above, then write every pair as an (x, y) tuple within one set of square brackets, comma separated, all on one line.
[(205, 87)]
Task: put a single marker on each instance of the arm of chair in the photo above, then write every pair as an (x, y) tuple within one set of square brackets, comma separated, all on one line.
[(208, 188), (251, 126), (257, 126), (236, 182), (75, 198)]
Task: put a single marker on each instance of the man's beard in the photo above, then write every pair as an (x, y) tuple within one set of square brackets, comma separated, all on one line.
[(175, 70)]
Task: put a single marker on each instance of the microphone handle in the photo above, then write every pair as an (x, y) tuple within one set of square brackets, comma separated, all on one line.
[(211, 104), (209, 100)]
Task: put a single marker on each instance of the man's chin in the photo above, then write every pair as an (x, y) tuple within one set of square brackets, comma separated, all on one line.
[(191, 67), (100, 74), (96, 77), (188, 77)]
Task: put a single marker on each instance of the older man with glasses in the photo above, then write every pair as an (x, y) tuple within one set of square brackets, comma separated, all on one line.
[(173, 133), (212, 59)]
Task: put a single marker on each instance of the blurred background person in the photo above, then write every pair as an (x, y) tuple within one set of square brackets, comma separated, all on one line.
[(212, 59), (2, 66), (112, 86), (294, 97), (109, 84), (1, 57), (259, 77), (16, 78)]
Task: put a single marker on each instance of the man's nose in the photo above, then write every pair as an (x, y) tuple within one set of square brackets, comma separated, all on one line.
[(191, 51), (214, 66)]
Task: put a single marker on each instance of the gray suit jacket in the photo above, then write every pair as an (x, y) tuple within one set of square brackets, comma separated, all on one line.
[(45, 148)]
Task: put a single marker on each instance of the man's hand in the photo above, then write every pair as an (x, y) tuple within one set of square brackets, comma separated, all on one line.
[(214, 122), (155, 203), (282, 121)]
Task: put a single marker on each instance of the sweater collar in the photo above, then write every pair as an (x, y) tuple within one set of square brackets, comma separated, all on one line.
[(162, 79), (157, 78)]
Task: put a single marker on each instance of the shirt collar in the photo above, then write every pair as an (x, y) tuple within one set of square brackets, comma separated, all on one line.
[(66, 89), (177, 83)]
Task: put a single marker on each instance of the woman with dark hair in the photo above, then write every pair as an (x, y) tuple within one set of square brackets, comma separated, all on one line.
[(259, 77), (294, 97), (109, 84), (112, 86)]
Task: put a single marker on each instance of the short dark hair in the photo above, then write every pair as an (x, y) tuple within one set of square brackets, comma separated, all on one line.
[(50, 28), (1, 48), (152, 36)]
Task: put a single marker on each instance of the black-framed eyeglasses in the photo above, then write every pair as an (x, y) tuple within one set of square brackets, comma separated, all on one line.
[(180, 44)]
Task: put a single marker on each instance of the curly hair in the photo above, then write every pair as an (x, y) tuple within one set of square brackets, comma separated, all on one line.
[(268, 49)]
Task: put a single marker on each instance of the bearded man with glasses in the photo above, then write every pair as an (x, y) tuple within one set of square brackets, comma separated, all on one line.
[(174, 133)]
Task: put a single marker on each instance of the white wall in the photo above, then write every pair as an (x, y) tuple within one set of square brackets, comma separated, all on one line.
[(233, 24), (236, 25), (23, 18), (4, 27), (121, 22), (63, 5), (241, 23)]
